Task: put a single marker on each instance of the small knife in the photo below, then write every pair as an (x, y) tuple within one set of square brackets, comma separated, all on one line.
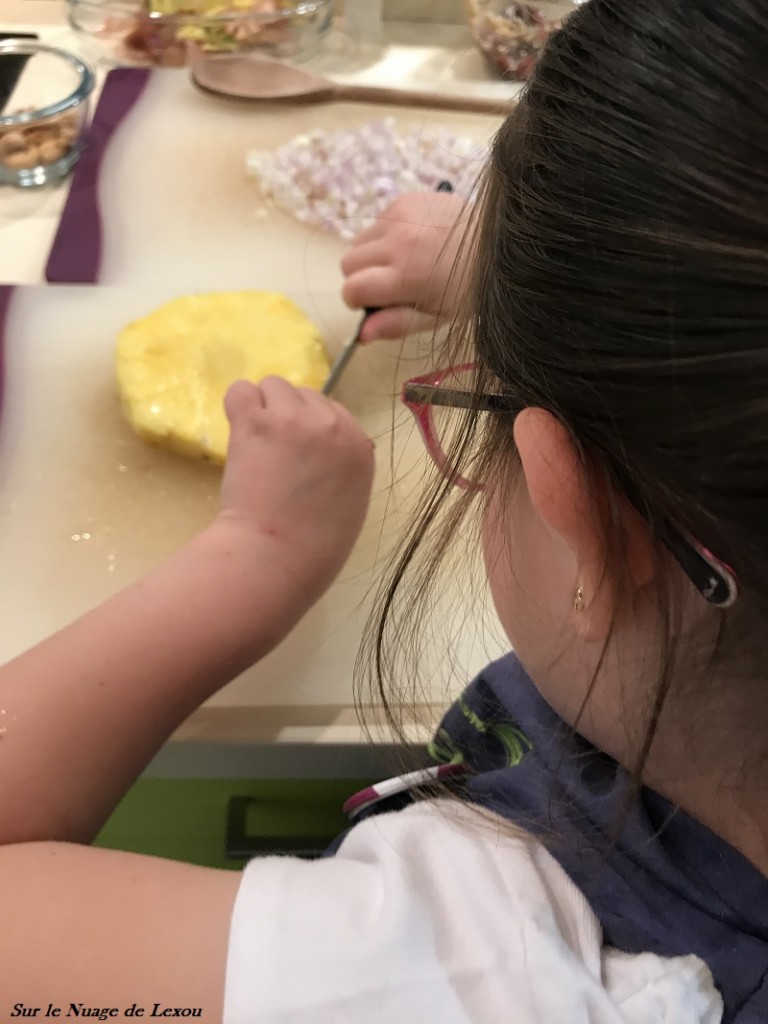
[(348, 351)]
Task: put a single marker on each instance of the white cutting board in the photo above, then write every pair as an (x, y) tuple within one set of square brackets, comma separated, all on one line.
[(178, 206), (86, 507)]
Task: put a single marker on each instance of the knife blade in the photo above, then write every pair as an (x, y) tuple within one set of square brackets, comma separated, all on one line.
[(345, 355)]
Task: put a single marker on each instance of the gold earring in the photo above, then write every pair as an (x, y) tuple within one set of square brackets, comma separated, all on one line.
[(578, 600)]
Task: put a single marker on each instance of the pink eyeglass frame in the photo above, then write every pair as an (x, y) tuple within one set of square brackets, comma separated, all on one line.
[(714, 580), (421, 394)]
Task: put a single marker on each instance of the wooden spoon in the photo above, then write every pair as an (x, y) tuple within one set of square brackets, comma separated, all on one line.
[(259, 78)]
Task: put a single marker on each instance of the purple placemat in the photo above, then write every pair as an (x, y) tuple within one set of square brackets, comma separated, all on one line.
[(75, 257), (6, 294)]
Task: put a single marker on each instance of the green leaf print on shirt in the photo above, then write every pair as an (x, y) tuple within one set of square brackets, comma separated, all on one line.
[(514, 743), (442, 749)]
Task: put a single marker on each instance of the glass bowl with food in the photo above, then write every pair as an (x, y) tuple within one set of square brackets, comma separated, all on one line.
[(43, 112), (511, 35), (162, 32)]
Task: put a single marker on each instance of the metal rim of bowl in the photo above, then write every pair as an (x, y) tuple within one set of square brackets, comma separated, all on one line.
[(85, 87), (300, 8)]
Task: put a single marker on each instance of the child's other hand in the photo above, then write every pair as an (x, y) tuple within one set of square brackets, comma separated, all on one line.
[(298, 477), (404, 263)]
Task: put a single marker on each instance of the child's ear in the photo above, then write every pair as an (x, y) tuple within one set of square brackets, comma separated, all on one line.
[(563, 494)]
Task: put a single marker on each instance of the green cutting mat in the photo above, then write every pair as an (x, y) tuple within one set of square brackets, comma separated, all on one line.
[(185, 819)]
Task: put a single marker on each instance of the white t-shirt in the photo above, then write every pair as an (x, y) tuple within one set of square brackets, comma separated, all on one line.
[(435, 915)]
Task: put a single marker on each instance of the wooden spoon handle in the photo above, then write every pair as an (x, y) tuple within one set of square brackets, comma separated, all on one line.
[(411, 98)]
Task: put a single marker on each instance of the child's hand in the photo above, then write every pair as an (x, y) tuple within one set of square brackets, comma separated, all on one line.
[(298, 477), (405, 262)]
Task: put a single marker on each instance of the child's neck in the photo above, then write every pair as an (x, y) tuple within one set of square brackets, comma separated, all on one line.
[(737, 814)]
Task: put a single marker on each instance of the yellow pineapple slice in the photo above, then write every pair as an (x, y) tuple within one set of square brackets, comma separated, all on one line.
[(175, 365)]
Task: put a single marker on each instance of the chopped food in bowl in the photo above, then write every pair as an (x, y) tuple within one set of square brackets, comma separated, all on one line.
[(511, 35), (160, 32), (43, 126)]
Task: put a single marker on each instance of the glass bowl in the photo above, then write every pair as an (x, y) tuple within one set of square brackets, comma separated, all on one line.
[(43, 123), (161, 32), (511, 35)]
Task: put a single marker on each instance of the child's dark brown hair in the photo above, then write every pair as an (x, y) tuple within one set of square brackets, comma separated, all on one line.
[(620, 281)]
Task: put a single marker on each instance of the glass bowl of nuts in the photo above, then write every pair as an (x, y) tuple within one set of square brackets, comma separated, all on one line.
[(511, 35), (162, 32), (43, 120)]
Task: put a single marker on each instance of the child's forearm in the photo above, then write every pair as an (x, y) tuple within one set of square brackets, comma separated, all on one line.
[(82, 713)]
